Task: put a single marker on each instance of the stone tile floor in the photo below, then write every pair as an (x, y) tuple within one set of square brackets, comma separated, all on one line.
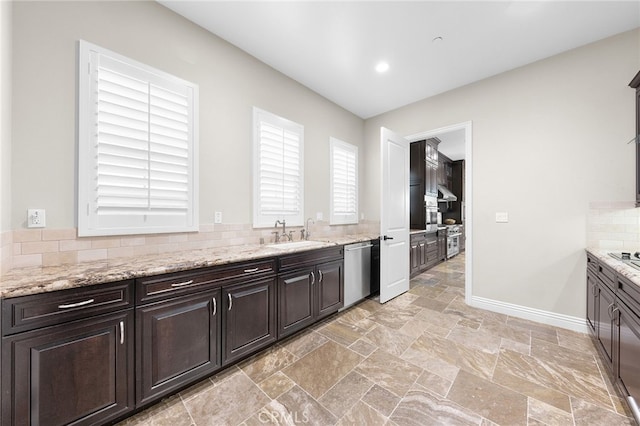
[(424, 358)]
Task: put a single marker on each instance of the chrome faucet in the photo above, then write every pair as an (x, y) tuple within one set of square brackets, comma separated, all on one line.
[(307, 233), (284, 229)]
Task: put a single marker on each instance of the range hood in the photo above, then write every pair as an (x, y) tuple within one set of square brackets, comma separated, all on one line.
[(446, 194)]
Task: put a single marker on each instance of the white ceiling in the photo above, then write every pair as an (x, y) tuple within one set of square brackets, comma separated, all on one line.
[(332, 47)]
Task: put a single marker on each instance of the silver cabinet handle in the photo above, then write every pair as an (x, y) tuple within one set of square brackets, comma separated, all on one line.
[(610, 310), (230, 300), (321, 276), (182, 284), (75, 305), (634, 408), (122, 332), (215, 306), (313, 278), (248, 271)]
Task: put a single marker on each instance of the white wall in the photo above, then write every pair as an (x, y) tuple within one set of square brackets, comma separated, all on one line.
[(231, 83), (5, 115), (548, 138)]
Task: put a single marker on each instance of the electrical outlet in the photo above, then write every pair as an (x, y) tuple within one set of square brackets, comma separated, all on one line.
[(36, 218), (217, 217), (502, 217), (319, 216)]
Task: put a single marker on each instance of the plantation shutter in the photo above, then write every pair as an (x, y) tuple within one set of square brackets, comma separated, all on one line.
[(344, 183), (140, 140), (279, 177)]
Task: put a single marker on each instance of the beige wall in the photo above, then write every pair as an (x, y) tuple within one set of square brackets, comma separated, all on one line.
[(548, 139), (5, 115), (231, 83)]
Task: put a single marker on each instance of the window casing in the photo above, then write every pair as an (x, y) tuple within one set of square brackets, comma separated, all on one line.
[(138, 146), (278, 175), (344, 183)]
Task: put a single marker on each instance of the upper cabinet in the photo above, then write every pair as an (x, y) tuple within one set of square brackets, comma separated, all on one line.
[(423, 178), (635, 84)]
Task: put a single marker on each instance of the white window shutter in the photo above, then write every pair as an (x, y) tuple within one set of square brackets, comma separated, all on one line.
[(344, 183), (138, 147), (278, 171)]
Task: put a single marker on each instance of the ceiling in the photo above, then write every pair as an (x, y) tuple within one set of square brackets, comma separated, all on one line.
[(333, 47)]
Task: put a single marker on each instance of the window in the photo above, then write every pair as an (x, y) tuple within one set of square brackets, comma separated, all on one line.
[(278, 183), (344, 183), (137, 154)]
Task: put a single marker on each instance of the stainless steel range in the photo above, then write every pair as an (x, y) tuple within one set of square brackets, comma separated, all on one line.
[(453, 240)]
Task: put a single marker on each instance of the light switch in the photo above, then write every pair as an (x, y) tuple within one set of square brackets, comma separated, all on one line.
[(319, 216), (502, 217)]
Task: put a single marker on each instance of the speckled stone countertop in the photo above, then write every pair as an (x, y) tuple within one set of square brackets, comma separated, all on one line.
[(33, 280), (623, 269)]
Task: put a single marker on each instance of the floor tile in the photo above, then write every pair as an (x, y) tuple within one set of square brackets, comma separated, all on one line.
[(381, 399), (588, 414), (421, 407), (362, 414), (222, 404), (263, 365), (389, 339), (341, 397), (322, 368), (489, 399), (389, 371)]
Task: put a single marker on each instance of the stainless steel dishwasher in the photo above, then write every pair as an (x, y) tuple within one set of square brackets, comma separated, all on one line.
[(357, 272)]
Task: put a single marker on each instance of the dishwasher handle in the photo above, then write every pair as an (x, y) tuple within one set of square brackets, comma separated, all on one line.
[(358, 248)]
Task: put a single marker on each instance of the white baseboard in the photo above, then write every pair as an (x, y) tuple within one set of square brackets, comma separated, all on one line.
[(524, 312)]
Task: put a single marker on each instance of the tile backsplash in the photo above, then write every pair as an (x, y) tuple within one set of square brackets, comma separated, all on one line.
[(613, 225), (51, 247)]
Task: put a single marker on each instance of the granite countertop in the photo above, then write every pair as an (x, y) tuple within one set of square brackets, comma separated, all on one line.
[(623, 269), (33, 280)]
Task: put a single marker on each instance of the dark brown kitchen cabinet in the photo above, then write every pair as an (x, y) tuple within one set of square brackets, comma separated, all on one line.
[(417, 253), (310, 289), (79, 372), (635, 84), (178, 341), (417, 190), (627, 316), (613, 317), (442, 245), (431, 251), (604, 322), (57, 346), (249, 321)]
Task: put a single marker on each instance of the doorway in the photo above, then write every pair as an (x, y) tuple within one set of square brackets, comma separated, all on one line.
[(443, 133)]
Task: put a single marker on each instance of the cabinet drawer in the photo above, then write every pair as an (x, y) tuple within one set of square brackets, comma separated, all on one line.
[(607, 275), (30, 312), (629, 293), (418, 237), (311, 257), (592, 263), (165, 286)]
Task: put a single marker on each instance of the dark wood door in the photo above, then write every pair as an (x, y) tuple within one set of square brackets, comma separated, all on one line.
[(604, 326), (178, 341), (330, 288), (79, 372), (249, 320), (296, 300), (431, 183), (628, 337), (592, 302), (422, 254)]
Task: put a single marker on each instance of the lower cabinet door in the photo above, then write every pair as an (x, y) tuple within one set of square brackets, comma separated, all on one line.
[(330, 288), (249, 318), (628, 368), (178, 342), (592, 293), (295, 301), (79, 372), (605, 323)]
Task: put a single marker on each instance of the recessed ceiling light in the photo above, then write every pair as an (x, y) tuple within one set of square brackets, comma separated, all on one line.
[(382, 67), (437, 40)]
